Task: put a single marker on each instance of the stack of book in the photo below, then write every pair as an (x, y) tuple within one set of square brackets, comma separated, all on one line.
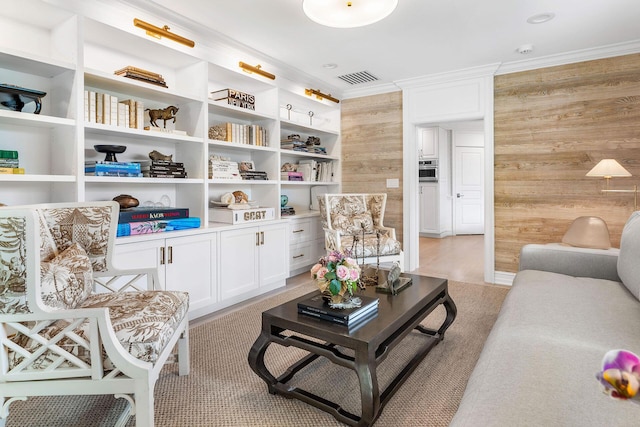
[(104, 168), (141, 75), (291, 176), (9, 163), (105, 108), (313, 170), (239, 133), (293, 144), (317, 307), (287, 211), (223, 169), (259, 175), (162, 169), (141, 220)]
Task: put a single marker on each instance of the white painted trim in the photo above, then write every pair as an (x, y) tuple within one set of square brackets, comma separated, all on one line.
[(370, 90), (601, 52), (449, 76), (504, 278)]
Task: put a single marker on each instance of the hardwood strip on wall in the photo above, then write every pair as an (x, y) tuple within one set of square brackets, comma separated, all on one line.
[(372, 150), (552, 126)]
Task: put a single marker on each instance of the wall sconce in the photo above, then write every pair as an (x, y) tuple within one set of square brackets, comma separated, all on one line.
[(320, 95), (610, 168), (257, 69), (158, 32)]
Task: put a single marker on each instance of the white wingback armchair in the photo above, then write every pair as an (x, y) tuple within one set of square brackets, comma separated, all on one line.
[(346, 216), (70, 322)]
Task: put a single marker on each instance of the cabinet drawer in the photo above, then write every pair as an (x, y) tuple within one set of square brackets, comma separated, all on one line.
[(302, 254), (300, 231)]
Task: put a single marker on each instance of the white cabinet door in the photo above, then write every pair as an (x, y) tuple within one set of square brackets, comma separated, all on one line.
[(239, 261), (190, 266), (183, 263), (147, 254), (428, 143), (274, 253), (429, 210)]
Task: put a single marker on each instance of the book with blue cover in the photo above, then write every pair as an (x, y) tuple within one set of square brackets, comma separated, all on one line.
[(149, 227)]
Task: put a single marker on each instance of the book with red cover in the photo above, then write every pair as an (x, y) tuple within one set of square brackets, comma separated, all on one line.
[(139, 214)]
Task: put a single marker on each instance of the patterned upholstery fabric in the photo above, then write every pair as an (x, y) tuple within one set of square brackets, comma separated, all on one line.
[(13, 275), (143, 323), (349, 214), (48, 248), (67, 279), (388, 245), (88, 226)]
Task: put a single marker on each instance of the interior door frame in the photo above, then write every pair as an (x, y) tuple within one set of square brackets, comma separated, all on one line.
[(410, 177)]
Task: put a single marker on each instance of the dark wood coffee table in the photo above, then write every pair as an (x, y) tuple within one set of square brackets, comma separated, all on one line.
[(371, 343)]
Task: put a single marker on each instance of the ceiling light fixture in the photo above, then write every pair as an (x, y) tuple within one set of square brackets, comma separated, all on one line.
[(321, 95), (541, 18), (348, 14), (158, 32), (257, 69)]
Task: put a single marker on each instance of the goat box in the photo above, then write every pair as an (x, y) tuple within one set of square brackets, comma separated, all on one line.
[(241, 216)]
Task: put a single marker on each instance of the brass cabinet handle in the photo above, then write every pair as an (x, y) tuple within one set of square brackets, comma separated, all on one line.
[(162, 255), (298, 231), (298, 256), (170, 255), (257, 239), (262, 237)]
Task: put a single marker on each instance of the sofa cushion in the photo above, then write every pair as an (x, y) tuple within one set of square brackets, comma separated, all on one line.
[(143, 322), (628, 260), (67, 279), (539, 363), (388, 245), (353, 224)]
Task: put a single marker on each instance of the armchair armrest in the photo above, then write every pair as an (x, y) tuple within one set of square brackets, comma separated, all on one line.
[(117, 280), (572, 261), (390, 231)]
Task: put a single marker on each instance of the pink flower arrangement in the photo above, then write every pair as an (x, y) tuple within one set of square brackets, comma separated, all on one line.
[(337, 274)]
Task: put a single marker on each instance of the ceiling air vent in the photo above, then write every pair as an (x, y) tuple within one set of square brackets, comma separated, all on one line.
[(359, 77)]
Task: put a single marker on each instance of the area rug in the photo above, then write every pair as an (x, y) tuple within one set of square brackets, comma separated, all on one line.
[(222, 390)]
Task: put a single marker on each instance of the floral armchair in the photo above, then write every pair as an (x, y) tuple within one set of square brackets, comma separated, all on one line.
[(70, 322), (355, 222)]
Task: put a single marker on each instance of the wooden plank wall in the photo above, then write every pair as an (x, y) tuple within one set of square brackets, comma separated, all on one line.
[(372, 150), (552, 126)]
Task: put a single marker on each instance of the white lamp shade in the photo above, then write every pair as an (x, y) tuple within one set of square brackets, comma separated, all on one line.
[(348, 14), (608, 168)]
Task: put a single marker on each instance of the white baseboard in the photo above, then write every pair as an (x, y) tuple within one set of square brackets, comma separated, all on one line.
[(503, 278)]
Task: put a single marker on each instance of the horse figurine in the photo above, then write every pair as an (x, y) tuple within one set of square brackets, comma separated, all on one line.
[(164, 114)]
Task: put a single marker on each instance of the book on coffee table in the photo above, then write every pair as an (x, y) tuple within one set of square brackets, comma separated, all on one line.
[(317, 307)]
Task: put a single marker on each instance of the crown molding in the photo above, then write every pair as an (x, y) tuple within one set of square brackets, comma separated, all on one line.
[(370, 90), (590, 54), (449, 76)]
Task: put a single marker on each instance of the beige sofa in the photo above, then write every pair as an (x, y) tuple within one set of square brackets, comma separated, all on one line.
[(566, 309)]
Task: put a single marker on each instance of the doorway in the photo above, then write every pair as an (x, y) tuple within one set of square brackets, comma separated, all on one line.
[(448, 256)]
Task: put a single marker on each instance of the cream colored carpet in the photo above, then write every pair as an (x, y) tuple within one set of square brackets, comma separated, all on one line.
[(223, 391)]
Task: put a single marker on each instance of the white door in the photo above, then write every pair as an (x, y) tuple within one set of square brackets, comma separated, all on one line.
[(469, 190)]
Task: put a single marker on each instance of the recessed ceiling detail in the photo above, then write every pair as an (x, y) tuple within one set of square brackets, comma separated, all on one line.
[(358, 77)]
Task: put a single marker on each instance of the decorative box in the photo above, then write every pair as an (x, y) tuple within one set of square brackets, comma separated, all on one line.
[(241, 216)]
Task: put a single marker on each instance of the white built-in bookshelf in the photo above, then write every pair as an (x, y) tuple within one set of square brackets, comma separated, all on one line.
[(69, 52)]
